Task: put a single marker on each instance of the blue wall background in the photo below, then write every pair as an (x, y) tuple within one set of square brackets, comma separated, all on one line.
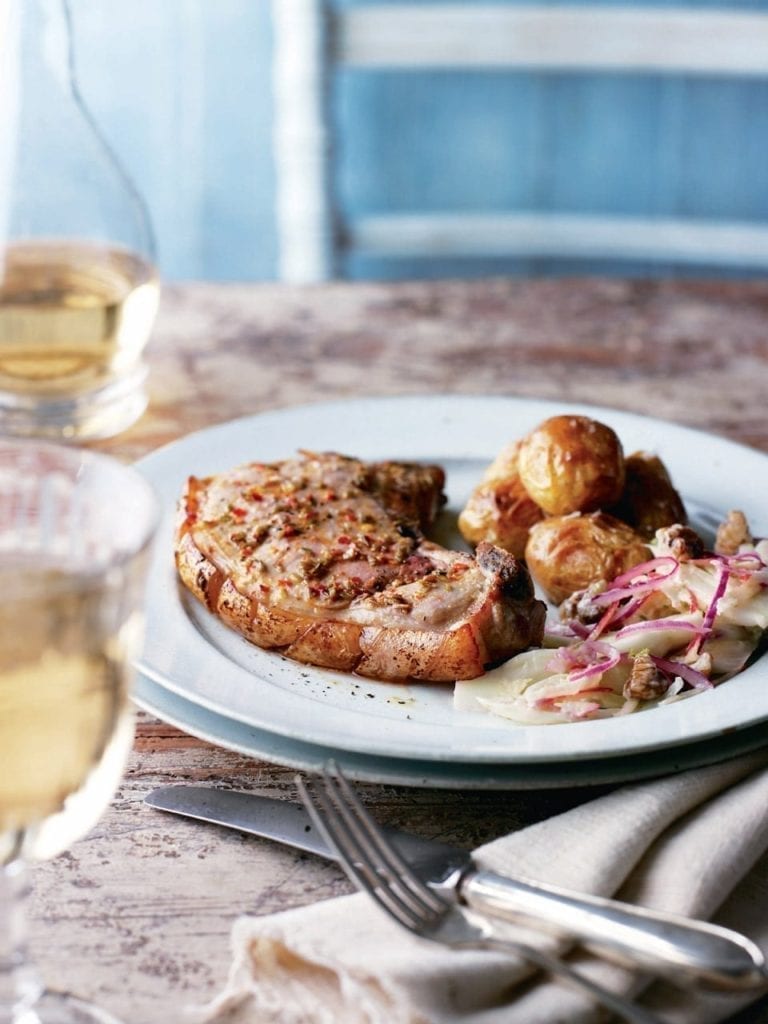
[(182, 89)]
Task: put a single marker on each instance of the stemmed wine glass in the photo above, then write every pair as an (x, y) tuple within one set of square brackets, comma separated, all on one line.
[(79, 288), (75, 535)]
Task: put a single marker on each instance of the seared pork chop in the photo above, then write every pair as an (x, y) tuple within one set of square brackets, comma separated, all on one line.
[(323, 557)]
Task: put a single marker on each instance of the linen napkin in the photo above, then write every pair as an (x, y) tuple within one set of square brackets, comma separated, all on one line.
[(692, 843)]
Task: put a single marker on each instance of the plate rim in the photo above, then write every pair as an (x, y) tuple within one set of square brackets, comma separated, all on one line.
[(251, 742)]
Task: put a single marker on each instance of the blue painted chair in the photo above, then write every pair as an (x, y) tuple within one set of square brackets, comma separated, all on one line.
[(316, 41)]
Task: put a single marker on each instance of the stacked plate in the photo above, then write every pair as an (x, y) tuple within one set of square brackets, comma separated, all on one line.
[(200, 676)]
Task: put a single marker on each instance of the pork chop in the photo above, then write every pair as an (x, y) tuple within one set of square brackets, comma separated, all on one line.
[(324, 557)]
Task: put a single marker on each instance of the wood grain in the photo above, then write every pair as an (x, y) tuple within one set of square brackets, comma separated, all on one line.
[(137, 914)]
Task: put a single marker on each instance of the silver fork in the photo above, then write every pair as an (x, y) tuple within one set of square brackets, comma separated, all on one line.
[(374, 866)]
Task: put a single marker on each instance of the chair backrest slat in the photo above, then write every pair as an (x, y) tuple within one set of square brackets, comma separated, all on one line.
[(588, 38), (579, 236)]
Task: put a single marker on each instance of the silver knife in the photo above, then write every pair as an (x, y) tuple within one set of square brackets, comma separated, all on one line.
[(681, 949)]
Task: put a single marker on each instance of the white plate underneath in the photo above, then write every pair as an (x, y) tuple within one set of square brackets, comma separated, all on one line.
[(245, 739), (189, 652)]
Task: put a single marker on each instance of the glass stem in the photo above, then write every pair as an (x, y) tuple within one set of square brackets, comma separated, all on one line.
[(19, 986)]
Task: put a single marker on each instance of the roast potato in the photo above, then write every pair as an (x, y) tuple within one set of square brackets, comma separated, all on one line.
[(572, 464), (567, 553), (499, 509), (649, 500)]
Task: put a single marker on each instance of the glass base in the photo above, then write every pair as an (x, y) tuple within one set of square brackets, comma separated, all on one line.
[(88, 416), (60, 1008)]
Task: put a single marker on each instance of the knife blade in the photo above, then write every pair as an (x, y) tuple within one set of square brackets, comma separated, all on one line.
[(290, 824), (684, 950)]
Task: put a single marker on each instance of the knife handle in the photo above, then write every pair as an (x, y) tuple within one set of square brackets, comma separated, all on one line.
[(675, 947)]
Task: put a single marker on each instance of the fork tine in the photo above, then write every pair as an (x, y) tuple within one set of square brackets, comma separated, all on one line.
[(357, 817), (386, 877), (357, 864)]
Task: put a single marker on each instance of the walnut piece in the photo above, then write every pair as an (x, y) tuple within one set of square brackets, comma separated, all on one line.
[(682, 542), (645, 681), (580, 605), (732, 533)]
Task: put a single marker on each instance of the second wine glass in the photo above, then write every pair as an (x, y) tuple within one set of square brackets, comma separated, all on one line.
[(75, 533)]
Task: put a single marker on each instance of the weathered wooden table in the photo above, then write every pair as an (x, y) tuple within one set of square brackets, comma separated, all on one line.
[(137, 915)]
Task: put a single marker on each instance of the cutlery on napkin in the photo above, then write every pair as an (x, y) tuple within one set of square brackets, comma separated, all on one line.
[(665, 945), (692, 844)]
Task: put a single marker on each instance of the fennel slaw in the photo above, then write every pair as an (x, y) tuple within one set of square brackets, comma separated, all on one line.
[(662, 632)]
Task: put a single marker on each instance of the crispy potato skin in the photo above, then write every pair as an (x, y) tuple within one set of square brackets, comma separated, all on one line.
[(572, 464), (499, 509), (567, 553), (567, 501), (649, 500)]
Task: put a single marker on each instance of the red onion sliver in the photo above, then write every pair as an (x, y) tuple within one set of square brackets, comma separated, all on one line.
[(579, 629), (578, 655), (632, 583), (629, 609), (619, 593), (711, 612), (605, 620), (646, 568), (664, 625), (691, 675), (560, 698), (598, 668), (744, 560)]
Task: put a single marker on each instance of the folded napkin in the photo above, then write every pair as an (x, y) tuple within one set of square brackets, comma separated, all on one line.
[(692, 843)]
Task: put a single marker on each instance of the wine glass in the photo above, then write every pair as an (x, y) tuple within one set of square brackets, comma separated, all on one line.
[(75, 535), (78, 286)]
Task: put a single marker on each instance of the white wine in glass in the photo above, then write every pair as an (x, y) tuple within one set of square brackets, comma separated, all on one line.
[(73, 316), (75, 531), (78, 286)]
